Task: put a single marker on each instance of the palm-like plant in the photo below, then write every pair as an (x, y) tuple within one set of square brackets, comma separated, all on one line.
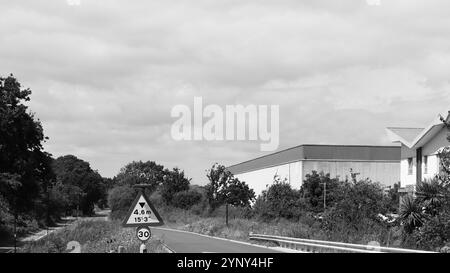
[(431, 195), (411, 213)]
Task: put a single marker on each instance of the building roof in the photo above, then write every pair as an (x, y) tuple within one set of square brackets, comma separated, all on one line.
[(319, 152), (408, 134), (417, 137)]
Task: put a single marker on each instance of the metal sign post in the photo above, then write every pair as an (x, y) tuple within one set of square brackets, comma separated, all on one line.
[(142, 215), (143, 233)]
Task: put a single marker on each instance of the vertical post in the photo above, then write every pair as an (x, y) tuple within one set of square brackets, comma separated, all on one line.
[(15, 231), (48, 207), (78, 206), (324, 196), (418, 165), (143, 248), (226, 212)]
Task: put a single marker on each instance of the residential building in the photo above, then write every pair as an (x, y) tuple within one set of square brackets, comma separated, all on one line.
[(419, 150)]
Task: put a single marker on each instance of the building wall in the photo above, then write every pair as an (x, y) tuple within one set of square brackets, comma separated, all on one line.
[(430, 149), (260, 180), (407, 179), (385, 172), (433, 167)]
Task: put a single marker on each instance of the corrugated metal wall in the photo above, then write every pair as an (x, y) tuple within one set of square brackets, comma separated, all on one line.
[(387, 173)]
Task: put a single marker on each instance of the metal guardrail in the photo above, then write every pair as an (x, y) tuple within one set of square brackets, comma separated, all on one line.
[(6, 249), (317, 246)]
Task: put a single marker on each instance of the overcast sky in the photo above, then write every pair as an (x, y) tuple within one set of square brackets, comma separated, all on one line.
[(105, 74)]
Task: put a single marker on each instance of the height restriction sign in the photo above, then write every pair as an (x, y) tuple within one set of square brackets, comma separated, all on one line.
[(142, 213)]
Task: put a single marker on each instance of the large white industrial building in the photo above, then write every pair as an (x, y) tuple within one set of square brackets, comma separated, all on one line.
[(378, 163)]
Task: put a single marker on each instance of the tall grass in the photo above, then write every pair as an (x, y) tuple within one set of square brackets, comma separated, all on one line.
[(239, 227), (94, 237)]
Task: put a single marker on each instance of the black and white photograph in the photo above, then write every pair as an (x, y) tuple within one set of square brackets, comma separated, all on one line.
[(250, 133)]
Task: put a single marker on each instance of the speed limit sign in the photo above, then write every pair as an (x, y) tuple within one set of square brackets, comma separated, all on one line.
[(143, 233)]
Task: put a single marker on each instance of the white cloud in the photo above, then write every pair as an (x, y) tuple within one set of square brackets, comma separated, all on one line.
[(106, 74)]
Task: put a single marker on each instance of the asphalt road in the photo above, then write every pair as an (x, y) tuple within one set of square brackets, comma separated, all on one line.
[(183, 242)]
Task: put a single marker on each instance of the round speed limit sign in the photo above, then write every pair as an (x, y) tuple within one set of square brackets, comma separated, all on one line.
[(143, 233)]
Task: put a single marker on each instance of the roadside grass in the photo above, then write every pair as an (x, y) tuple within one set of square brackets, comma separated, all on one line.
[(240, 226), (93, 237)]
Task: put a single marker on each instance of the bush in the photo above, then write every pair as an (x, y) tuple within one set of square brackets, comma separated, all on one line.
[(434, 233), (354, 217), (313, 190), (174, 182), (186, 199), (280, 200), (119, 200)]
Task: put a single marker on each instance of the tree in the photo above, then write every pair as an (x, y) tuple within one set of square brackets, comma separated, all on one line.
[(186, 199), (313, 188), (174, 182), (138, 172), (218, 177), (225, 189), (25, 169), (238, 194), (279, 200), (82, 185), (120, 199)]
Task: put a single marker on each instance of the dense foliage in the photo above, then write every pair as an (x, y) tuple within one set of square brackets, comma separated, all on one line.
[(35, 189), (279, 200), (120, 199), (25, 168), (138, 172), (186, 199), (224, 188), (80, 187), (174, 182)]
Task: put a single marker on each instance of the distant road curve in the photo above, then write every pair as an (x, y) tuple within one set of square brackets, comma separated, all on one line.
[(189, 242)]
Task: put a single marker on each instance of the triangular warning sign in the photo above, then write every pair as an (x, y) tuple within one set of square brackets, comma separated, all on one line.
[(142, 213)]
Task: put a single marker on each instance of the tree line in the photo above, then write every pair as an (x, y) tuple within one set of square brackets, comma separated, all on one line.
[(35, 188)]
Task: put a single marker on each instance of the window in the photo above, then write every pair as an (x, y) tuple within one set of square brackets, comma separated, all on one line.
[(425, 164), (410, 166)]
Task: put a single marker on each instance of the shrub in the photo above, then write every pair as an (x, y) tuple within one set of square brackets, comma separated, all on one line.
[(434, 233), (279, 200), (313, 190), (354, 217), (411, 214), (174, 182), (186, 199), (119, 200)]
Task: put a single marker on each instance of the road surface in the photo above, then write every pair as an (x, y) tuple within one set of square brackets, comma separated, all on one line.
[(185, 242)]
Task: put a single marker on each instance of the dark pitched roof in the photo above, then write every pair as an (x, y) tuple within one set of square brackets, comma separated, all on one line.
[(319, 152)]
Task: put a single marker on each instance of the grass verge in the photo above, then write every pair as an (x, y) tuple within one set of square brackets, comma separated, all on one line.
[(93, 237)]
